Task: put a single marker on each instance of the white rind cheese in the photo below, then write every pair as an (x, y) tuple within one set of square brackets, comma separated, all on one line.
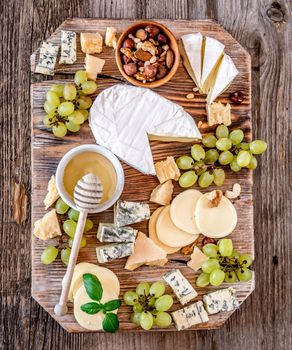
[(221, 300), (123, 118), (180, 285), (68, 47), (127, 213), (190, 316), (111, 233), (48, 58), (113, 251)]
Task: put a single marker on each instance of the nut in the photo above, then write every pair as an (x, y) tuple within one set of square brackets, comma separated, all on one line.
[(236, 97), (208, 240), (139, 45), (190, 96), (214, 198), (161, 71), (153, 59), (131, 36), (137, 40), (152, 30), (154, 42), (126, 59), (140, 76), (159, 50), (141, 69), (128, 43), (236, 189), (127, 52), (149, 47), (187, 250), (195, 89), (150, 71), (143, 55), (141, 63), (162, 39), (130, 68), (169, 59), (141, 34), (165, 47)]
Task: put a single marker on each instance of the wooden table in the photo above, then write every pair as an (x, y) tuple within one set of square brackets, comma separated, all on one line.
[(264, 320)]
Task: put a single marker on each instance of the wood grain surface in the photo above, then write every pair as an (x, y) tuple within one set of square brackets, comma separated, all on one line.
[(263, 28)]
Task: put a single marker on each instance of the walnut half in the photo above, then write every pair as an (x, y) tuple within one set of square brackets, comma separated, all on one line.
[(214, 198)]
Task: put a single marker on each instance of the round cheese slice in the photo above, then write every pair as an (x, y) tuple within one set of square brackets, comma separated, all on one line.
[(169, 234), (182, 211), (91, 322), (218, 221), (106, 277), (153, 234)]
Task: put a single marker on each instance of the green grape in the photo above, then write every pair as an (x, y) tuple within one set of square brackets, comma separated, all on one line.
[(234, 165), (88, 225), (76, 118), (88, 87), (258, 146), (184, 162), (61, 206), (244, 146), (84, 102), (135, 318), (82, 244), (164, 302), (206, 179), (225, 157), (230, 277), (162, 319), (225, 247), (58, 89), (146, 320), (188, 179), (203, 280), (199, 167), (234, 254), (72, 126), (65, 109), (53, 98), (157, 289), (80, 77), (243, 158), (69, 226), (137, 308), (73, 214), (236, 136), (223, 144), (69, 92), (197, 152), (131, 298), (212, 156), (210, 250), (65, 255), (49, 255), (84, 112), (49, 108), (209, 141), (219, 176), (143, 288), (217, 277), (60, 130), (48, 120), (244, 274), (151, 301), (253, 163), (245, 260), (209, 265), (222, 131)]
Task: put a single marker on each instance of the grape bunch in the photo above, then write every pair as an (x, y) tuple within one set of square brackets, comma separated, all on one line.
[(224, 148), (150, 305), (224, 264), (50, 253), (67, 105)]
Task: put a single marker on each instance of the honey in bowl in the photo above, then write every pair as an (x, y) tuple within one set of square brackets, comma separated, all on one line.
[(90, 162)]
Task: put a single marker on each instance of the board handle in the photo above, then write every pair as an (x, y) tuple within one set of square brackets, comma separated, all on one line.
[(61, 308)]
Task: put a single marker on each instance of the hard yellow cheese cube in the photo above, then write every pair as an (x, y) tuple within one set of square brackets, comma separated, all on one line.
[(91, 42)]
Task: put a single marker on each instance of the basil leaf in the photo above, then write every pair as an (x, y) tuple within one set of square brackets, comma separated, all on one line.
[(93, 286), (110, 323), (91, 308), (112, 305)]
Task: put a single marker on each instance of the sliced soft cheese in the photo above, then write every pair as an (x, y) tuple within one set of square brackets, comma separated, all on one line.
[(224, 77), (52, 194), (197, 259), (47, 227), (122, 117), (93, 66), (145, 252)]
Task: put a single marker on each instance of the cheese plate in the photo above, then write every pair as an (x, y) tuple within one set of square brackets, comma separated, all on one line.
[(47, 150)]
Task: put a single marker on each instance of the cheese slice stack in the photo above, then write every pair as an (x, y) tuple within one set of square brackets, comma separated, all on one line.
[(207, 64)]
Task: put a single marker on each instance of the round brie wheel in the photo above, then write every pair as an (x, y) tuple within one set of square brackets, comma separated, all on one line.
[(153, 233), (216, 222), (91, 322), (169, 234), (182, 211), (106, 277)]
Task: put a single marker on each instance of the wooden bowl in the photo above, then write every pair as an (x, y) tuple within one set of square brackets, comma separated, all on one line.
[(172, 44)]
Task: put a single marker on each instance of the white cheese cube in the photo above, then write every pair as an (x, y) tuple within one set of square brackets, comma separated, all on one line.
[(111, 233), (48, 58), (68, 47), (221, 300), (127, 213), (190, 316), (113, 251)]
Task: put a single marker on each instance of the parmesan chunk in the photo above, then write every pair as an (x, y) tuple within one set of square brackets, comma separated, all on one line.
[(162, 193), (110, 37), (91, 42), (167, 170), (93, 66), (52, 194), (47, 227), (218, 113), (197, 259)]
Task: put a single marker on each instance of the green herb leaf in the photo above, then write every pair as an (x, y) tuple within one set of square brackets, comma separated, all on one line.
[(112, 305), (110, 323), (91, 308), (93, 286)]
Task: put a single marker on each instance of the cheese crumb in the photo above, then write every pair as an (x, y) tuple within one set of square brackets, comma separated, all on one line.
[(162, 194), (167, 170), (52, 194), (47, 227), (91, 42), (218, 113)]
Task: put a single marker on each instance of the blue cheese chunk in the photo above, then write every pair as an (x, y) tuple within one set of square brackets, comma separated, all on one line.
[(68, 47), (221, 300), (181, 286), (113, 251), (127, 213), (111, 233), (190, 316), (48, 58)]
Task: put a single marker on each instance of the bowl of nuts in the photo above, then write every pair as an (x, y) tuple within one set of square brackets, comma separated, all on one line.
[(147, 54)]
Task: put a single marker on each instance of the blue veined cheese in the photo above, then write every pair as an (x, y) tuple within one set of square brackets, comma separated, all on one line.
[(113, 251), (68, 47), (48, 58), (180, 285), (190, 316), (127, 213), (111, 233), (221, 300)]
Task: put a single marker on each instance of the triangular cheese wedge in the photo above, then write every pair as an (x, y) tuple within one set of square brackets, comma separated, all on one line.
[(52, 194), (224, 77), (145, 252), (47, 227)]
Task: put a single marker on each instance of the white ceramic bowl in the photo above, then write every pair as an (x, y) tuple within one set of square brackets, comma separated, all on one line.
[(104, 152)]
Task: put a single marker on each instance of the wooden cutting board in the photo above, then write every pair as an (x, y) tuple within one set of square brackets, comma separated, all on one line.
[(47, 150)]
